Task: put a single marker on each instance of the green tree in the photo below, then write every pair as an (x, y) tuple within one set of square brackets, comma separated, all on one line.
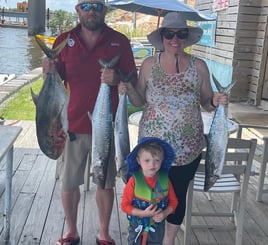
[(61, 21)]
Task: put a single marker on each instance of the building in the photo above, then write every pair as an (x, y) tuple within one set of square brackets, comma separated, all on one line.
[(239, 49)]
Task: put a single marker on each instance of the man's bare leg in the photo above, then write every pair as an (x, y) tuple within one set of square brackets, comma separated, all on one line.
[(105, 201), (70, 201)]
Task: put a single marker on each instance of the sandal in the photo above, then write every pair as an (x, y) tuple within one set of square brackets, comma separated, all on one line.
[(104, 242), (69, 240)]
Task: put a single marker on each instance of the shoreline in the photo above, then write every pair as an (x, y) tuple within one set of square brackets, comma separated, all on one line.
[(12, 86)]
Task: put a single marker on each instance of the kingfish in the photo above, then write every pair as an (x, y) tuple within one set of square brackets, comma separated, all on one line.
[(121, 133), (51, 109), (217, 141), (102, 129)]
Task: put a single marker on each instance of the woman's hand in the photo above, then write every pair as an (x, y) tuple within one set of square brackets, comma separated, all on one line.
[(220, 98)]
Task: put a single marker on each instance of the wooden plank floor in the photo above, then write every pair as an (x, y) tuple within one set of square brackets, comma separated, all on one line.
[(37, 215)]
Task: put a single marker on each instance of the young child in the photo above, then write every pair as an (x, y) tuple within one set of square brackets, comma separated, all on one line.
[(148, 196)]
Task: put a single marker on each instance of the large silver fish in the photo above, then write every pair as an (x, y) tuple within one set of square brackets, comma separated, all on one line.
[(51, 109), (102, 129), (121, 134), (217, 141)]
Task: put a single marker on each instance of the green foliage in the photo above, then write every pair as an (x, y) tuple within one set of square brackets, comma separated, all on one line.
[(112, 18), (132, 109), (20, 106), (129, 32), (61, 21)]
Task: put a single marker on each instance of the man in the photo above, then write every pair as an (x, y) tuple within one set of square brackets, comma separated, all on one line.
[(78, 66)]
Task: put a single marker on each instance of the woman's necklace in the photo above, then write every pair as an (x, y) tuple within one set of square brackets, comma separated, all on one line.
[(177, 63)]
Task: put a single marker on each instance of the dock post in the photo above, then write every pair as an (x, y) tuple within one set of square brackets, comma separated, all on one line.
[(36, 17)]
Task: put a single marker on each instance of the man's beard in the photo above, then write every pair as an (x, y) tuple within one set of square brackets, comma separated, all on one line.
[(93, 26)]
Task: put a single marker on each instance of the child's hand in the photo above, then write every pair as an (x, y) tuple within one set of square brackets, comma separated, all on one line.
[(150, 211), (158, 216)]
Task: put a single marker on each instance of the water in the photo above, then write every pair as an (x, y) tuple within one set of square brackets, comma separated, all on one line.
[(19, 52), (51, 4)]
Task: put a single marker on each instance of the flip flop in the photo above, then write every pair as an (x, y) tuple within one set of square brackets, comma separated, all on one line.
[(104, 242), (69, 240)]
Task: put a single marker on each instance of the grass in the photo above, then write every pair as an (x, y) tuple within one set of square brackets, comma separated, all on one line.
[(21, 107)]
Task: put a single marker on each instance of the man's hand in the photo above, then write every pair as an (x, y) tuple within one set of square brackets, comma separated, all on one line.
[(109, 76), (49, 66)]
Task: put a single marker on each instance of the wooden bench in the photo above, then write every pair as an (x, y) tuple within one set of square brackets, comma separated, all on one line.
[(261, 132)]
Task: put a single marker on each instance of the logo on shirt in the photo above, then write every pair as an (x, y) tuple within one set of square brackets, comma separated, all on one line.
[(71, 42), (115, 44)]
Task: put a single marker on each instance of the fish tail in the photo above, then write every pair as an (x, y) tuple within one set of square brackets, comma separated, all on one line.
[(222, 89), (111, 63), (125, 78), (51, 53), (34, 96)]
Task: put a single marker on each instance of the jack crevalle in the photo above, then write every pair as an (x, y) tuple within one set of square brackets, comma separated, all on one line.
[(121, 134), (217, 141), (102, 129), (51, 108)]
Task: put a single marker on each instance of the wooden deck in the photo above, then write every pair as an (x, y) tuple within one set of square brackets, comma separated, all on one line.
[(37, 215)]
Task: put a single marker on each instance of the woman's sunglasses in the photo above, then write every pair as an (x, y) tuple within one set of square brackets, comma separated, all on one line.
[(97, 7), (169, 34)]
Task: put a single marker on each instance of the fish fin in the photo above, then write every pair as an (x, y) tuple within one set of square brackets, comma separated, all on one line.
[(125, 78), (51, 53), (229, 87), (34, 96), (111, 63), (90, 116), (222, 89), (210, 182), (217, 83)]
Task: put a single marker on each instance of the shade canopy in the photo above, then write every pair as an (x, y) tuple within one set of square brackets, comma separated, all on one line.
[(159, 8)]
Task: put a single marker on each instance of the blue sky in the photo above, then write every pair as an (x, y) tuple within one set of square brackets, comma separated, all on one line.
[(67, 5)]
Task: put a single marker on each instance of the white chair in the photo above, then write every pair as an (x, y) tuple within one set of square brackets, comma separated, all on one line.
[(261, 132), (234, 179)]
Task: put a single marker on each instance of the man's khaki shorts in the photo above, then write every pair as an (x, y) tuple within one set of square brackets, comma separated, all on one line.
[(72, 163)]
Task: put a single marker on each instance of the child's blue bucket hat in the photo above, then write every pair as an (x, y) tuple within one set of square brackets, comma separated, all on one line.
[(168, 159)]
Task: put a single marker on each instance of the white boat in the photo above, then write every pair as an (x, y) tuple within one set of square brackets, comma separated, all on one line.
[(4, 78)]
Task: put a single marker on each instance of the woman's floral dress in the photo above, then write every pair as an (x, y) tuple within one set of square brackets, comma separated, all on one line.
[(172, 111)]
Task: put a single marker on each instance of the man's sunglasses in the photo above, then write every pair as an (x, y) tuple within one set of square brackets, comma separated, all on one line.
[(97, 7), (169, 34)]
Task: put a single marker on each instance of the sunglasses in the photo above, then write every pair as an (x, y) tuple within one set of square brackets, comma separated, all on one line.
[(97, 7), (169, 34)]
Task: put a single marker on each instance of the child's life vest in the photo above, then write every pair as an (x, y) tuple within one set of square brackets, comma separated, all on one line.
[(144, 196)]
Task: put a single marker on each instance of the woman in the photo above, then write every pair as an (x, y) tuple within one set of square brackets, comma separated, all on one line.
[(174, 85)]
